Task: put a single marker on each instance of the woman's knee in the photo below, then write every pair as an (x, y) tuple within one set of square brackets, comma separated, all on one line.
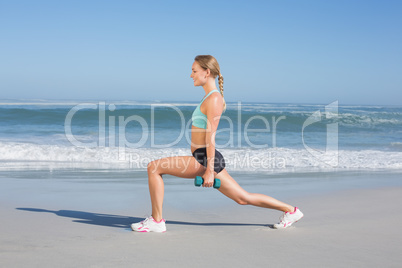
[(242, 200), (152, 166)]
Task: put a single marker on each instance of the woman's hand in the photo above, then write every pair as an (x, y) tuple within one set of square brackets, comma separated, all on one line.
[(208, 179)]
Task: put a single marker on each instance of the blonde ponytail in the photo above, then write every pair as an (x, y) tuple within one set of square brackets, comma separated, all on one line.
[(220, 81)]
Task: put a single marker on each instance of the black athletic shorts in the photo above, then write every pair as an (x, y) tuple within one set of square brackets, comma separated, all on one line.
[(201, 156)]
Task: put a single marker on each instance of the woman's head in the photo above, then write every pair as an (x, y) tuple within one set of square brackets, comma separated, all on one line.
[(208, 62)]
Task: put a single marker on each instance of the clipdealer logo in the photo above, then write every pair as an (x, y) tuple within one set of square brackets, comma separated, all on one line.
[(112, 132)]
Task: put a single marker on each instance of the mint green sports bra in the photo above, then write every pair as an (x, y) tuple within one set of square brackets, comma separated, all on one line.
[(199, 119)]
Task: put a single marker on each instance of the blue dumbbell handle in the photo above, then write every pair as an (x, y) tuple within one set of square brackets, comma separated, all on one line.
[(199, 181)]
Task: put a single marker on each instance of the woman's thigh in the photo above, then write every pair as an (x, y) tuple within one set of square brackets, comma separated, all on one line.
[(179, 166), (230, 187)]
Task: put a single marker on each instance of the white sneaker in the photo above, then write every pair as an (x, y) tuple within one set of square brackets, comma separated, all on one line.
[(288, 218), (149, 225)]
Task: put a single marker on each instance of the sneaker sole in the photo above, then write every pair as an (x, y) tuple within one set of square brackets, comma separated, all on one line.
[(146, 231)]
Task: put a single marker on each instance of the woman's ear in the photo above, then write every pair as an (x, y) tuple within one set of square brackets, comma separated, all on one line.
[(208, 72)]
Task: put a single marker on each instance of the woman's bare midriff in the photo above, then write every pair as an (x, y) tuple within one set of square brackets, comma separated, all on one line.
[(197, 138)]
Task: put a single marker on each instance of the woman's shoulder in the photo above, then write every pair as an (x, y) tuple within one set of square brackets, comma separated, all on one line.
[(214, 100)]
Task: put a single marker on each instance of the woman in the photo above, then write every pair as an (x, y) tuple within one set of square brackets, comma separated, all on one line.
[(206, 160)]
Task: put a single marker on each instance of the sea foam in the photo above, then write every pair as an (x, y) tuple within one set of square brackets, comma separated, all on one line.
[(27, 155)]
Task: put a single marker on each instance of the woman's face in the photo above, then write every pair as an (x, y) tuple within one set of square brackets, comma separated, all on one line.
[(199, 75)]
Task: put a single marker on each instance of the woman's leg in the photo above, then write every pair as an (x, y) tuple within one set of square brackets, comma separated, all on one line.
[(179, 166), (232, 189)]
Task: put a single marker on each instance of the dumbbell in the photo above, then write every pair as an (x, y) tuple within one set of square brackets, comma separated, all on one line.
[(198, 181)]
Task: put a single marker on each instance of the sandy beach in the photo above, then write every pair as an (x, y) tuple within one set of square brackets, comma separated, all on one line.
[(301, 98), (81, 223)]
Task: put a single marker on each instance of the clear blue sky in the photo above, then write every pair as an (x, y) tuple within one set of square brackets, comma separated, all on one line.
[(269, 51)]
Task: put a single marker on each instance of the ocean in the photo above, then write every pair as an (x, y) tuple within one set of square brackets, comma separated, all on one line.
[(253, 137)]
